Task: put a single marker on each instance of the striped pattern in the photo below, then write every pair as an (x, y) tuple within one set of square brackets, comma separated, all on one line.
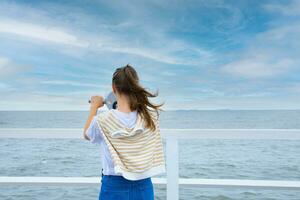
[(137, 152)]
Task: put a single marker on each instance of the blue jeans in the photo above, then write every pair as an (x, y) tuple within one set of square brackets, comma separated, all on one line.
[(119, 188)]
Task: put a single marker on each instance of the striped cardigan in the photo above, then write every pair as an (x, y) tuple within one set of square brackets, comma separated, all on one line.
[(137, 152)]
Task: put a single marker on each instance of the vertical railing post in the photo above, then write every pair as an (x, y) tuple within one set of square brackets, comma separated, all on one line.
[(172, 169)]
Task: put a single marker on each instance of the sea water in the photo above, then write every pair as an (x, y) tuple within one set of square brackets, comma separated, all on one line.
[(215, 159)]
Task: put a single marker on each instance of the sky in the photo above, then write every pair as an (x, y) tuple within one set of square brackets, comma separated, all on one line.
[(197, 54)]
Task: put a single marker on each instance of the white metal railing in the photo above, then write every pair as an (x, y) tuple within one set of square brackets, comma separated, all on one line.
[(172, 136)]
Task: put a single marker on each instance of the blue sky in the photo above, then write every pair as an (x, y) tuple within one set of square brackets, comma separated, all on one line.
[(198, 54)]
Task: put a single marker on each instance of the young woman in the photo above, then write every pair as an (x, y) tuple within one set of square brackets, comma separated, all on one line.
[(129, 137)]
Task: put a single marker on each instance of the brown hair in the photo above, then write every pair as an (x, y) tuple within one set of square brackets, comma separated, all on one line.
[(126, 81)]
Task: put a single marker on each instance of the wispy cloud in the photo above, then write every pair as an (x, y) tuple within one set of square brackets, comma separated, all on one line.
[(72, 83), (291, 9), (9, 68), (216, 54), (142, 41), (49, 34), (259, 66), (271, 53)]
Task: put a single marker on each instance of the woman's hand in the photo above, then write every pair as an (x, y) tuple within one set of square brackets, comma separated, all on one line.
[(97, 101)]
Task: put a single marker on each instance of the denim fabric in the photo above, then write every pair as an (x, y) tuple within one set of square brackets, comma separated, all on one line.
[(119, 188)]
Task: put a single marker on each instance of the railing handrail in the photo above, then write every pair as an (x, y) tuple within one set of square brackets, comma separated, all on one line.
[(84, 181), (76, 133)]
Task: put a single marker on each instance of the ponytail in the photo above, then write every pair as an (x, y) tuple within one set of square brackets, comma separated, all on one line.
[(126, 82)]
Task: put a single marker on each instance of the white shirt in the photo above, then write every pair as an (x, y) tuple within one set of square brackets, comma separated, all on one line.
[(95, 135)]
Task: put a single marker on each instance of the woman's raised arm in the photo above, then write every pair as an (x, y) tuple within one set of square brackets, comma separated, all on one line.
[(96, 102)]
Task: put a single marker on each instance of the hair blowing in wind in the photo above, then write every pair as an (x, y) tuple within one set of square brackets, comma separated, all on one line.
[(126, 81)]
